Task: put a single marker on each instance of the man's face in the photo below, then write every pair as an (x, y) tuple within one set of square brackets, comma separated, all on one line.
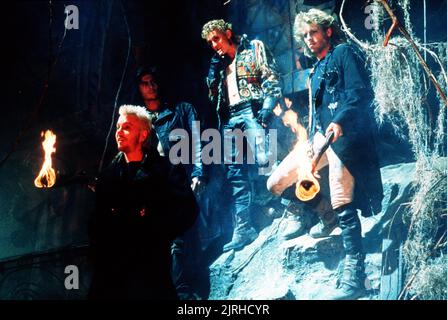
[(130, 133), (148, 88), (220, 41), (316, 39)]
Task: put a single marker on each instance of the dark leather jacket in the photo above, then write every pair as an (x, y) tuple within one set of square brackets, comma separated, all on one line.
[(140, 209), (180, 116), (342, 94)]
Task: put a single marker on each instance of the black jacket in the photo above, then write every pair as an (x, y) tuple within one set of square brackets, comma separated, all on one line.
[(139, 211), (180, 116), (342, 94)]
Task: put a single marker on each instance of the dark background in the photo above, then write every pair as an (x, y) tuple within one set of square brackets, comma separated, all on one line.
[(69, 84)]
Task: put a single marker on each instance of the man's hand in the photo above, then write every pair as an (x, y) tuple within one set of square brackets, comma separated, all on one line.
[(264, 117), (336, 128), (197, 185)]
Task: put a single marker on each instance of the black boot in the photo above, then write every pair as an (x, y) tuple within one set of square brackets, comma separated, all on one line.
[(298, 220), (349, 222), (240, 239), (243, 233), (352, 283)]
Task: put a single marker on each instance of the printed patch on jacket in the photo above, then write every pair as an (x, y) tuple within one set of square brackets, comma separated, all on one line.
[(255, 90), (244, 92)]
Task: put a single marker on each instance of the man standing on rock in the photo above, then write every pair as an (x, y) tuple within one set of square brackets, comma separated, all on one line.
[(244, 88), (340, 99)]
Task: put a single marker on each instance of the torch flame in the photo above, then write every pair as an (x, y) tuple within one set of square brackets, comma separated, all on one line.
[(307, 186), (47, 175), (277, 110)]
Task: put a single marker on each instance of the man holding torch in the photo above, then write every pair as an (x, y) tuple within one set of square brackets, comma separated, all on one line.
[(340, 99)]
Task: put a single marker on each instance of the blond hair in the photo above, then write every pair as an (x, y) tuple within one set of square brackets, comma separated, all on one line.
[(323, 20), (212, 25), (140, 112)]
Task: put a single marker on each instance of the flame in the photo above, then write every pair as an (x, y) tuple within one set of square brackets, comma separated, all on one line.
[(288, 102), (307, 186), (277, 110), (47, 175), (290, 119)]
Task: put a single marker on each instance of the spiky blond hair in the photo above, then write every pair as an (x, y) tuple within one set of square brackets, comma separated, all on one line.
[(140, 112)]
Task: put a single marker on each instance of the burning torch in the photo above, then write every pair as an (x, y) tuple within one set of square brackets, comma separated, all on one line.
[(308, 186), (47, 175)]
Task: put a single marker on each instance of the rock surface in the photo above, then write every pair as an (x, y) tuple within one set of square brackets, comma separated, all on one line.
[(305, 268)]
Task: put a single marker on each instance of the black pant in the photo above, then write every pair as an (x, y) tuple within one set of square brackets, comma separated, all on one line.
[(349, 223)]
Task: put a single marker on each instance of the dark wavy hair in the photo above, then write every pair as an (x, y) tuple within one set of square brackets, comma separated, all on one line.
[(144, 70), (155, 72)]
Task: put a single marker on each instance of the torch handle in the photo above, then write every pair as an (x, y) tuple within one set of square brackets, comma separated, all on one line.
[(323, 149)]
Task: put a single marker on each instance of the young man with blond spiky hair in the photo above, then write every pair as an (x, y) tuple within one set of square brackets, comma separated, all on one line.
[(142, 203)]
